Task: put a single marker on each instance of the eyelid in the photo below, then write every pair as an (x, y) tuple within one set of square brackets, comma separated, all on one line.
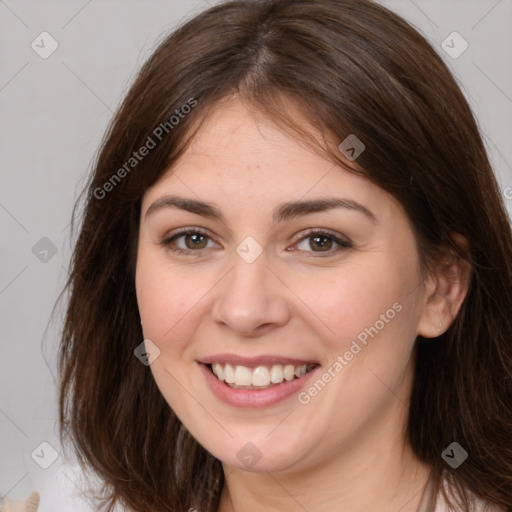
[(321, 231), (342, 241), (168, 238)]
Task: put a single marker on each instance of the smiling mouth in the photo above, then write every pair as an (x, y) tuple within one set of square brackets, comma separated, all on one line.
[(259, 377)]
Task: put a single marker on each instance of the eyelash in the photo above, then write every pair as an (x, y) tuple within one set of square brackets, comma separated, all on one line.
[(343, 244)]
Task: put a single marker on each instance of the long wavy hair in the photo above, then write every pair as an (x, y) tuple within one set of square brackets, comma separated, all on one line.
[(351, 67)]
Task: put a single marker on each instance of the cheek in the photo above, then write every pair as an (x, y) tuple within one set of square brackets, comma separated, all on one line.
[(165, 296), (366, 316), (167, 302), (347, 301)]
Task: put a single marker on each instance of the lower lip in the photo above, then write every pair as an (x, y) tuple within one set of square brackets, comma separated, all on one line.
[(254, 398)]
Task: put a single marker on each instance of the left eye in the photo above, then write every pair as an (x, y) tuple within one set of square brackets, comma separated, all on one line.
[(322, 241)]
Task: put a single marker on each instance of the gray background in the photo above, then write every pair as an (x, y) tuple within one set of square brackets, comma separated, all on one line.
[(53, 115)]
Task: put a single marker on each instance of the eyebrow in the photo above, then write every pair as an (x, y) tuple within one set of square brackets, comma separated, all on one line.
[(285, 211)]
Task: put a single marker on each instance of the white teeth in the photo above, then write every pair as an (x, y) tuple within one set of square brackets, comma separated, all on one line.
[(243, 376), (289, 371), (218, 370), (276, 374), (259, 377), (229, 374)]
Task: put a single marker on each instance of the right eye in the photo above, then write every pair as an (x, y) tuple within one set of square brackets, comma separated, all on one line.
[(193, 239)]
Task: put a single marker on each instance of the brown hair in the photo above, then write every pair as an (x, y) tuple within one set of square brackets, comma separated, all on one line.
[(352, 67)]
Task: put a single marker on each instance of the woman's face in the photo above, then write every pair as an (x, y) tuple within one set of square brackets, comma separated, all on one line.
[(273, 279)]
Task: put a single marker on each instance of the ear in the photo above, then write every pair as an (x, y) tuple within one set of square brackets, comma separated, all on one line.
[(445, 289)]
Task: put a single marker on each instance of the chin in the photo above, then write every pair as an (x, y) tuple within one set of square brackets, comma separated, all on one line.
[(257, 455)]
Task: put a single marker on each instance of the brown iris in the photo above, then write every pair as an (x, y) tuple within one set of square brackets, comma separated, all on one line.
[(199, 241), (323, 246)]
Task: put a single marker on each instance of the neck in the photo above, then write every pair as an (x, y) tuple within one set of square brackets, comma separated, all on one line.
[(378, 485)]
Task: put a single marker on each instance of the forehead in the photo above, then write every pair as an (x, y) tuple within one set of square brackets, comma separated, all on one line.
[(241, 156), (244, 149)]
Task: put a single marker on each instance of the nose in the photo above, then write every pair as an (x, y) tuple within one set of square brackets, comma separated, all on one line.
[(251, 300)]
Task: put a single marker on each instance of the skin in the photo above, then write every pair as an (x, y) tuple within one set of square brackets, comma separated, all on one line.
[(346, 448)]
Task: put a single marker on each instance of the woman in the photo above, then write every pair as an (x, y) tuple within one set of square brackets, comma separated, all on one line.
[(294, 209)]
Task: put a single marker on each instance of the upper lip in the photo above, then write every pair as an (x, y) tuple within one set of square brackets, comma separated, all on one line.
[(263, 360)]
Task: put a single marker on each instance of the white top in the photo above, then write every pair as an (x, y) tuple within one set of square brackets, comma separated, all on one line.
[(31, 504)]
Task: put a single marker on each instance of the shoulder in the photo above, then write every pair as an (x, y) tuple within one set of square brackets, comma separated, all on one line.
[(478, 506), (30, 504)]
